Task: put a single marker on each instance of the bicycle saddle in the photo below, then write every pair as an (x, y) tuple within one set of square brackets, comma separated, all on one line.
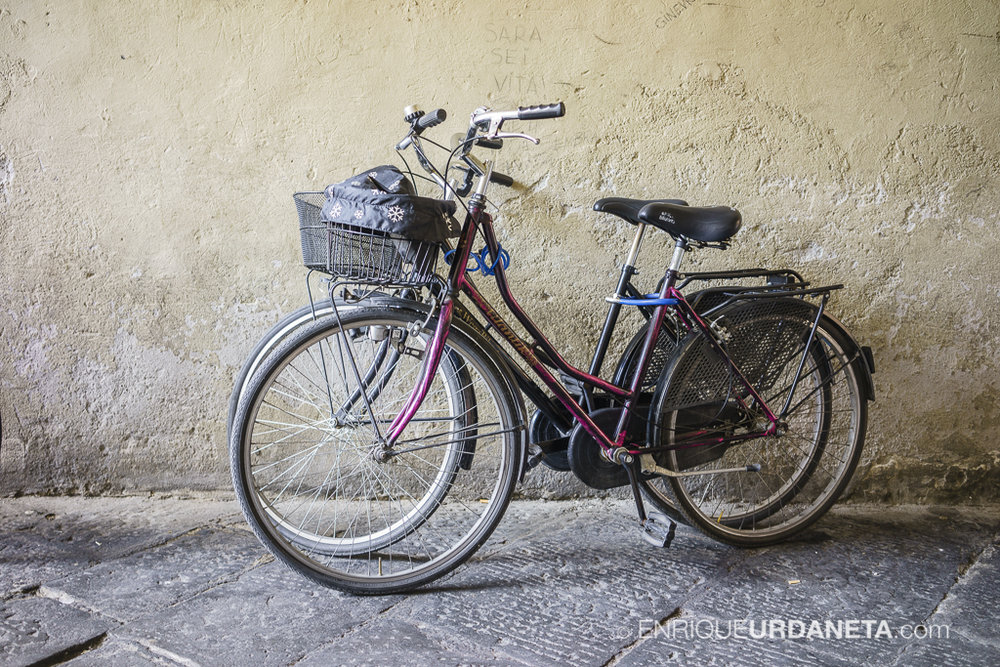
[(628, 209), (710, 224)]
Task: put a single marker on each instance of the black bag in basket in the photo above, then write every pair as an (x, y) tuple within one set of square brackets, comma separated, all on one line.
[(384, 200), (372, 228)]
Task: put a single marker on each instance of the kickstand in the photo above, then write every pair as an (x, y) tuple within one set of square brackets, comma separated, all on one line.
[(657, 528)]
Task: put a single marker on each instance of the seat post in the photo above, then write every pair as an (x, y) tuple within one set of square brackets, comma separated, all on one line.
[(624, 281), (633, 253), (675, 262)]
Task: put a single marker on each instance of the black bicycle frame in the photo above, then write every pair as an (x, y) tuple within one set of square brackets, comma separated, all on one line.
[(624, 289)]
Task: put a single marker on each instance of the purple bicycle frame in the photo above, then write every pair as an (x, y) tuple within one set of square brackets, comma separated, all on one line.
[(457, 282)]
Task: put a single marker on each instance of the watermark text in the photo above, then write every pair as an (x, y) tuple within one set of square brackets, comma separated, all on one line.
[(688, 629)]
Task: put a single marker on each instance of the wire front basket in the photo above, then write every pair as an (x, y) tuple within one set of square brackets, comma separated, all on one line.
[(361, 255)]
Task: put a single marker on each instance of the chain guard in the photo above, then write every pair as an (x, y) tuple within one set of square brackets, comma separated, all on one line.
[(541, 429), (585, 454)]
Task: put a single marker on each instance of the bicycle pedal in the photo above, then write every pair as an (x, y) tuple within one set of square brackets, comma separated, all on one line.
[(534, 460), (658, 529)]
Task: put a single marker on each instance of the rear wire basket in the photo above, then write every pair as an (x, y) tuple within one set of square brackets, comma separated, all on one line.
[(361, 255)]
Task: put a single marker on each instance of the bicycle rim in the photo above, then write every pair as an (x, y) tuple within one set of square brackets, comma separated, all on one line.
[(318, 498), (803, 470)]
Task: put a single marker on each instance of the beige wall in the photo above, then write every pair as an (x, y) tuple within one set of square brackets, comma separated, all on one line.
[(148, 151)]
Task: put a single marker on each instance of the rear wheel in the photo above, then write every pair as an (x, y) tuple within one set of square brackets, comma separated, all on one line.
[(760, 490), (319, 491)]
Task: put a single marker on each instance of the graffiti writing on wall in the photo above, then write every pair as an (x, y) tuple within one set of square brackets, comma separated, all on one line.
[(513, 51)]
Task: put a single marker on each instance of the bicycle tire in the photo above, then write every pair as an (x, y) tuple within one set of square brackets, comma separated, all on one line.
[(267, 344), (802, 471), (398, 530)]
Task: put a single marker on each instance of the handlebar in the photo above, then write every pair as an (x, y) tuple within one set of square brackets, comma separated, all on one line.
[(470, 173), (493, 120), (557, 110), (483, 120), (429, 120), (419, 121), (501, 179)]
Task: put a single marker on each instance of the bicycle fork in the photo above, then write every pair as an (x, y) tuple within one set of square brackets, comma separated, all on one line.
[(432, 359), (436, 345)]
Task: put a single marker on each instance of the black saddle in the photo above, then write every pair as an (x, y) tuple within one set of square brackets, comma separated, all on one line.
[(628, 209), (710, 224)]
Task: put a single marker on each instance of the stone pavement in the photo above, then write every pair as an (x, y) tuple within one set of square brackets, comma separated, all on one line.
[(182, 581)]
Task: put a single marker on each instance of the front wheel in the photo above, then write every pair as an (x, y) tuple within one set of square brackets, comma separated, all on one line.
[(321, 492), (267, 344)]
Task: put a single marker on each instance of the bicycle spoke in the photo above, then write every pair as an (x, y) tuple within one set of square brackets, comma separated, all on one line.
[(320, 483)]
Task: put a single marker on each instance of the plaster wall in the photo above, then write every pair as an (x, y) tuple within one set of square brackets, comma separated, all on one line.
[(148, 151)]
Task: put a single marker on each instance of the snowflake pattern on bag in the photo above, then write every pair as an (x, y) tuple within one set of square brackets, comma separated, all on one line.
[(395, 213)]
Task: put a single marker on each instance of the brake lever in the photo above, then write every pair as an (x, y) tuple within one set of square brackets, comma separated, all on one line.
[(512, 135)]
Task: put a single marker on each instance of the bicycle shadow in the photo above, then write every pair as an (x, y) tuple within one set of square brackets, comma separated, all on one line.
[(849, 532)]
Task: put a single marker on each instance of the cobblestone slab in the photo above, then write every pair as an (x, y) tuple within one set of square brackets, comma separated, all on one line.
[(573, 592), (972, 606), (151, 580), (666, 647), (26, 560), (955, 651), (872, 575), (184, 582), (113, 651), (269, 616), (965, 627), (46, 537), (398, 642), (34, 629)]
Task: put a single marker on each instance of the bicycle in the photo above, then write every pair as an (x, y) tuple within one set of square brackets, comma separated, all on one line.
[(375, 450), (545, 425)]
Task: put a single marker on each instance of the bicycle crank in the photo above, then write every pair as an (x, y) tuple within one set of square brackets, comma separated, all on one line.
[(586, 458)]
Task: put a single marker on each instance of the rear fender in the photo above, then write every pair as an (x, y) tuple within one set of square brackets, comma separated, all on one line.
[(864, 364)]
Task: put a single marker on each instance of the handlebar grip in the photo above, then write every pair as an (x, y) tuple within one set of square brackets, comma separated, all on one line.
[(501, 179), (556, 110), (431, 119)]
